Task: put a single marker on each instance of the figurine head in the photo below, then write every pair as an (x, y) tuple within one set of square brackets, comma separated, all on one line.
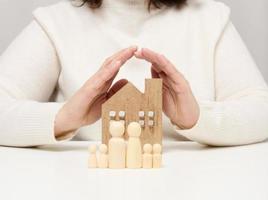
[(147, 148), (92, 148), (116, 128), (103, 148), (134, 129), (157, 148)]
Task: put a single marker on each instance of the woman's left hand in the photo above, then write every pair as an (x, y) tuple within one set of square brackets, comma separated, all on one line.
[(179, 103)]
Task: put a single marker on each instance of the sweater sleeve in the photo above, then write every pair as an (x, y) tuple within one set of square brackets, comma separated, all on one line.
[(240, 111), (29, 71)]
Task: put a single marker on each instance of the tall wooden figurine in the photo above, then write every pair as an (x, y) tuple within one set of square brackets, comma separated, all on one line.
[(117, 146), (134, 150)]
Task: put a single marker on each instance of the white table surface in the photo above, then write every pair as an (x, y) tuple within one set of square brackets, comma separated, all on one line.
[(190, 172)]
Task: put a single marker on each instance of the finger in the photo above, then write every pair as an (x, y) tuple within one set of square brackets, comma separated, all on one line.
[(160, 61), (157, 73), (154, 73), (126, 55), (116, 87), (98, 80), (109, 72), (160, 74), (157, 69), (108, 83), (112, 78), (116, 64), (116, 55), (149, 56), (166, 81), (178, 88)]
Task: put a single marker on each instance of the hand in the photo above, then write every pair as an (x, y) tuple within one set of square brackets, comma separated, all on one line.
[(179, 104), (84, 107)]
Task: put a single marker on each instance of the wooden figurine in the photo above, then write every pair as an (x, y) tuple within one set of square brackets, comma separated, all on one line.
[(129, 104), (103, 157), (117, 146), (147, 158), (157, 157), (92, 162), (134, 151)]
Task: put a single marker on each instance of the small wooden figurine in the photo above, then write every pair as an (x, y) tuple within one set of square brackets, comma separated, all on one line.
[(92, 162), (157, 157), (134, 151), (117, 146), (147, 158), (103, 157)]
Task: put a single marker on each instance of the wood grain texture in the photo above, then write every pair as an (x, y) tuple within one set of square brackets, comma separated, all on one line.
[(130, 100)]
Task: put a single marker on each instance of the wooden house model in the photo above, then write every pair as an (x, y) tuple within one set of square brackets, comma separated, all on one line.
[(129, 104)]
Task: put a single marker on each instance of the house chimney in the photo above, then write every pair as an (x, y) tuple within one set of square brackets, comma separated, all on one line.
[(153, 92)]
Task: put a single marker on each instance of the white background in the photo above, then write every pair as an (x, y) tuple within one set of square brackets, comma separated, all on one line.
[(190, 171), (250, 17)]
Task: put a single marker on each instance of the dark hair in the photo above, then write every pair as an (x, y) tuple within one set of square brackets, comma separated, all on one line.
[(155, 3)]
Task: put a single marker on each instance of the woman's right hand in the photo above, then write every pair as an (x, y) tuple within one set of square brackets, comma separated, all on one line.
[(84, 107)]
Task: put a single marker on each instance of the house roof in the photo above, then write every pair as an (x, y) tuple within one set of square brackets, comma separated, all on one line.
[(128, 89)]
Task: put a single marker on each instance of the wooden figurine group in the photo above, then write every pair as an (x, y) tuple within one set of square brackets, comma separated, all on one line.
[(119, 154)]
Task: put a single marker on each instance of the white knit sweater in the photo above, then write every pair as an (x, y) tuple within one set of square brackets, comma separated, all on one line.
[(65, 45)]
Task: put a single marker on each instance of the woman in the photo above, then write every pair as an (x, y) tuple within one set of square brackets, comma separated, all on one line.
[(61, 68)]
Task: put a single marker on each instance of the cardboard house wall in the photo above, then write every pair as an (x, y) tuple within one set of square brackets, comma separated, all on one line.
[(129, 104)]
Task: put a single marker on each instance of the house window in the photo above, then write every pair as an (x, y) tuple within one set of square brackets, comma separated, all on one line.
[(122, 115), (151, 114), (150, 123), (141, 114), (142, 123), (112, 114)]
